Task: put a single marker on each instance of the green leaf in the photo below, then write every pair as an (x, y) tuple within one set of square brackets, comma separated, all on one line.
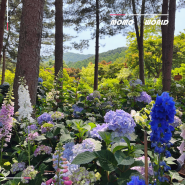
[(118, 148), (175, 175), (137, 163), (84, 158), (87, 127), (56, 131), (122, 159), (92, 125), (82, 98), (42, 167), (65, 137), (122, 181), (49, 135), (60, 125), (107, 160), (106, 136), (48, 160), (40, 138), (127, 141)]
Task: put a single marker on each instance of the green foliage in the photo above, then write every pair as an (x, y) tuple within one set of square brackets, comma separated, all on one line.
[(108, 56), (9, 76)]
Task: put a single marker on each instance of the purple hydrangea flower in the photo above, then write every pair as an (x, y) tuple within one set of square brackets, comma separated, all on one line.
[(45, 117), (120, 122), (44, 149), (71, 151), (30, 128), (17, 167), (144, 97), (177, 122), (98, 128), (76, 109), (135, 82), (90, 97)]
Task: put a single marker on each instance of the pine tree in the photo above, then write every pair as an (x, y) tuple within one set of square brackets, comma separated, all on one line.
[(29, 47)]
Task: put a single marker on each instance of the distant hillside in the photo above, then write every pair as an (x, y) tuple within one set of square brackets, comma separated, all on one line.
[(108, 56), (73, 57)]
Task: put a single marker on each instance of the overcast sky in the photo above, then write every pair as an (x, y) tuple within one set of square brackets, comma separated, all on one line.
[(118, 40), (113, 42)]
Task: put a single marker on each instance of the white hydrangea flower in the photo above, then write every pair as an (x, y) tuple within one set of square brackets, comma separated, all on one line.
[(25, 108)]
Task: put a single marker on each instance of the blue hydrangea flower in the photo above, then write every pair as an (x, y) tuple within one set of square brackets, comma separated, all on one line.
[(98, 128), (71, 151), (40, 80), (90, 97), (120, 122), (136, 181), (135, 82), (76, 110), (30, 128), (144, 97), (45, 117)]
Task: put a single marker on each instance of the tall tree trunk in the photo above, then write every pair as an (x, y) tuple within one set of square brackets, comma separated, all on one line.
[(141, 50), (96, 47), (4, 67), (58, 36), (164, 29), (29, 47), (2, 19), (169, 47), (140, 39)]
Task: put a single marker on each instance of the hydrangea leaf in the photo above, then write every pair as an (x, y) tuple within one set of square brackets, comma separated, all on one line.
[(40, 138), (107, 160), (49, 134), (84, 158), (175, 175), (122, 159)]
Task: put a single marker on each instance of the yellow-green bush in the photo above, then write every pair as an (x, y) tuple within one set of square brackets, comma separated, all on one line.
[(9, 76)]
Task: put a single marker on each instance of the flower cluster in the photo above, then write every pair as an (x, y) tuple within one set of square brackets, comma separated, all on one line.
[(30, 128), (60, 165), (98, 128), (42, 149), (45, 117), (40, 80), (181, 148), (94, 95), (82, 176), (162, 115), (24, 102), (136, 181), (29, 172), (52, 96), (177, 122), (144, 97), (6, 118), (32, 137), (141, 169), (17, 167), (120, 122), (179, 113), (76, 110), (71, 151), (135, 82), (57, 115), (46, 127)]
